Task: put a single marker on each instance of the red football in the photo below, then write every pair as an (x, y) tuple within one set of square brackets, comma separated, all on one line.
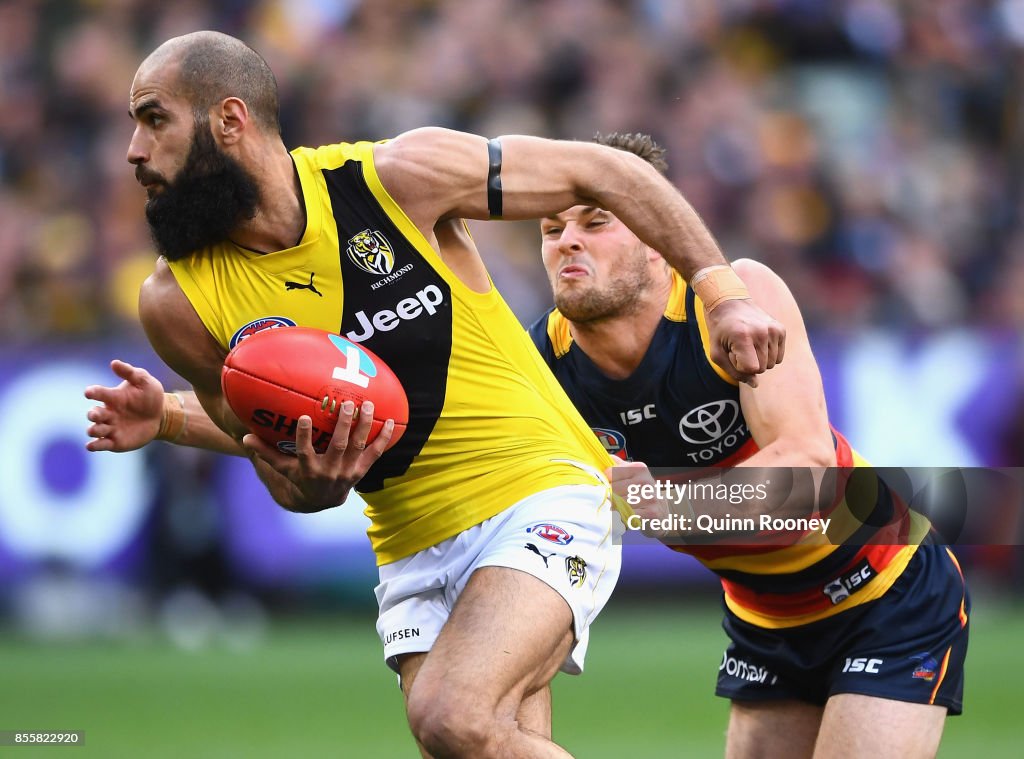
[(273, 377)]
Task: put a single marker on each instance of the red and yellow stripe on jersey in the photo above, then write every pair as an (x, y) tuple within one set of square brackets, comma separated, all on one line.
[(783, 585)]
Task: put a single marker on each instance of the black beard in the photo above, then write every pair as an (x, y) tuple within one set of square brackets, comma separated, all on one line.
[(204, 203)]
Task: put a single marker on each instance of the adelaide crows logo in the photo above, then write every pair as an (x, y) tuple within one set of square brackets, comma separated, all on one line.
[(371, 252), (925, 670)]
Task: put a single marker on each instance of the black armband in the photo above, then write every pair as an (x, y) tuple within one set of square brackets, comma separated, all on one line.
[(494, 178)]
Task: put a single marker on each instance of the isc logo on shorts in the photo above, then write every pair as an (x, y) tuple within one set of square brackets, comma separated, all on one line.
[(862, 664)]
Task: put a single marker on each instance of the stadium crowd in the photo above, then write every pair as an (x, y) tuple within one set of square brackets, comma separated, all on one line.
[(869, 151)]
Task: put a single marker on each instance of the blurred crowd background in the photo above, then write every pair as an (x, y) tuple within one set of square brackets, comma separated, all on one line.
[(871, 151)]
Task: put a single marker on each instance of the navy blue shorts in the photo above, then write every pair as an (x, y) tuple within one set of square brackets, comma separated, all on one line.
[(908, 645)]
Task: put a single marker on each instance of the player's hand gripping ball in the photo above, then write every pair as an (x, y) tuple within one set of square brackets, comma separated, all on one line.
[(273, 377)]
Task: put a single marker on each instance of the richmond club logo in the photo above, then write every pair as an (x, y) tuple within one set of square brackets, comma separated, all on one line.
[(371, 252), (706, 424)]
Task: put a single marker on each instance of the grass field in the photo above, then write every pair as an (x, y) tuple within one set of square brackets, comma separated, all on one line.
[(318, 688)]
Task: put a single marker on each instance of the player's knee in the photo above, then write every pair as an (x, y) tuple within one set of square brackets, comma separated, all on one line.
[(452, 726)]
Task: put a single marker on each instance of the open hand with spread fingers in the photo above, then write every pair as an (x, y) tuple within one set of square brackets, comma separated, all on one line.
[(130, 413)]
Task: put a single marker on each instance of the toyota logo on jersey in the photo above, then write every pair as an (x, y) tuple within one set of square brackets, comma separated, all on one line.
[(706, 424)]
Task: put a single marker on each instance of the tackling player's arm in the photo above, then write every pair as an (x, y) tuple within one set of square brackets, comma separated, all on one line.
[(540, 177), (786, 412), (786, 415)]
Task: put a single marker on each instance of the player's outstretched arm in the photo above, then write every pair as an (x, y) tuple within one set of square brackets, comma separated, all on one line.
[(138, 411), (540, 177)]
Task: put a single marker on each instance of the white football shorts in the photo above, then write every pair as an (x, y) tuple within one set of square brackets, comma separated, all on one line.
[(562, 536)]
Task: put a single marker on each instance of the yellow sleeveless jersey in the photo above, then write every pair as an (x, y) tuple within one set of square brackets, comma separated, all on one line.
[(488, 424)]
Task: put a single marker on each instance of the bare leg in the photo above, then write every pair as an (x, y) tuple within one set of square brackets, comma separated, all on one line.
[(772, 729), (898, 729), (506, 638), (534, 713)]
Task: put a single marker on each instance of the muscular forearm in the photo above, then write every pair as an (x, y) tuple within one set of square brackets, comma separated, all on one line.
[(201, 432), (797, 453), (658, 214), (615, 180)]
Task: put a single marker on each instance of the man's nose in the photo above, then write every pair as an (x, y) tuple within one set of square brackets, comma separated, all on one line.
[(570, 239), (137, 151)]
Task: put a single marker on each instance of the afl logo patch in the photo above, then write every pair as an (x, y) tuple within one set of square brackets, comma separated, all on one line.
[(551, 533), (705, 424), (371, 252), (259, 325), (613, 441)]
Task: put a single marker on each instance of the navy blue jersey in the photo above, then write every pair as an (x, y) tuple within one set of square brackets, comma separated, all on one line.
[(677, 409), (782, 611)]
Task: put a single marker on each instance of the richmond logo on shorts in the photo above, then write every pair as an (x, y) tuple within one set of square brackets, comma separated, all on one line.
[(576, 568), (371, 252)]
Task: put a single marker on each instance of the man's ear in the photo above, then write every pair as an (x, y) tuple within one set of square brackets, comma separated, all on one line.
[(230, 120)]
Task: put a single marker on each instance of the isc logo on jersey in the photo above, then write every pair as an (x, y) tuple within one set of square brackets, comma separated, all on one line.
[(426, 302), (259, 325), (613, 441)]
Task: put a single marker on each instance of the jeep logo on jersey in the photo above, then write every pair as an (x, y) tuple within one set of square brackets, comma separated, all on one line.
[(385, 320), (551, 533), (707, 423), (371, 252), (259, 325), (613, 441)]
